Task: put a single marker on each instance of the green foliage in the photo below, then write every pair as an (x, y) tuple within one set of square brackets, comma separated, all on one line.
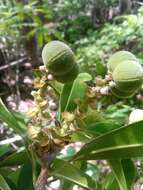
[(17, 158), (25, 177), (120, 169), (124, 142), (3, 184), (20, 21), (85, 115), (61, 168), (117, 114), (73, 91), (114, 143), (107, 140), (8, 117), (124, 33)]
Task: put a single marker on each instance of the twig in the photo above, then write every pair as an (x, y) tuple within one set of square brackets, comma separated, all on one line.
[(138, 2), (12, 64), (42, 179)]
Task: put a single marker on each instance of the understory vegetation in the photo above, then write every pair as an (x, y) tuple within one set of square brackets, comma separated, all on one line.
[(71, 94)]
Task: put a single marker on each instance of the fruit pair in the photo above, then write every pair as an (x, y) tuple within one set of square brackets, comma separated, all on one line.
[(59, 59), (127, 74)]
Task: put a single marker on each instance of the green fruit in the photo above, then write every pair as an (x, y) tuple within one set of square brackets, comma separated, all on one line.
[(129, 85), (121, 94), (59, 59), (68, 76), (128, 76), (119, 57)]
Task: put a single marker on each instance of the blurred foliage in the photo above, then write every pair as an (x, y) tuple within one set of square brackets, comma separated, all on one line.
[(125, 32), (71, 21), (94, 29), (46, 20), (16, 16), (39, 21)]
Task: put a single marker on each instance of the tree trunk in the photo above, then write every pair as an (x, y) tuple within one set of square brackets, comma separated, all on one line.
[(100, 12), (125, 6), (31, 47), (31, 42), (2, 58)]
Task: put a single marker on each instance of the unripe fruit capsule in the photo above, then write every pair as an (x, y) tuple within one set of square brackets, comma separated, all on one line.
[(69, 76), (121, 94), (128, 76), (119, 57), (59, 59)]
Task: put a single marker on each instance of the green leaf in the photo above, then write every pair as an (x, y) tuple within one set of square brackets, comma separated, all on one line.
[(65, 95), (130, 172), (92, 170), (125, 142), (25, 177), (117, 113), (100, 128), (57, 86), (100, 69), (21, 119), (11, 184), (4, 149), (80, 136), (66, 185), (3, 184), (118, 171), (9, 118), (123, 175), (90, 117), (68, 171), (11, 176), (17, 158), (73, 91), (110, 183), (5, 171)]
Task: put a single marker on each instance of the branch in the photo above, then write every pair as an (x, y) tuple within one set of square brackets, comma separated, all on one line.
[(42, 179), (12, 64)]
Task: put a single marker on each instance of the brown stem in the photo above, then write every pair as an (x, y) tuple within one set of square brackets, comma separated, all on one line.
[(42, 179)]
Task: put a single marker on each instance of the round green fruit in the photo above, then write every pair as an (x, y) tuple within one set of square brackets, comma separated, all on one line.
[(68, 77), (119, 57), (128, 76), (59, 59), (121, 94)]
